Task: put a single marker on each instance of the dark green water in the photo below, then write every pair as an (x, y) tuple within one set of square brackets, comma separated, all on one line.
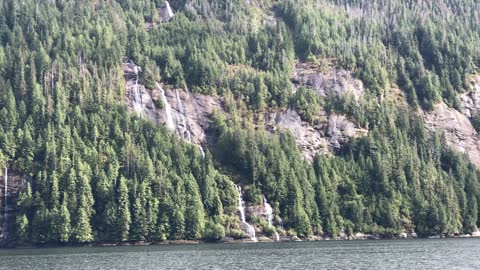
[(391, 254)]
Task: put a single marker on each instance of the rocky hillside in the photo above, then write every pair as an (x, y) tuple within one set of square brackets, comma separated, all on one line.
[(188, 115), (154, 121), (456, 125)]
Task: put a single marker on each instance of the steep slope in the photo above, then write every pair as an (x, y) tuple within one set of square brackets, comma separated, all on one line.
[(188, 114), (457, 126), (239, 119)]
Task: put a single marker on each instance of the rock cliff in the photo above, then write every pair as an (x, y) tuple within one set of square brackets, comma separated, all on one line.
[(458, 130), (330, 135), (10, 182), (327, 81), (188, 115), (470, 101), (456, 125)]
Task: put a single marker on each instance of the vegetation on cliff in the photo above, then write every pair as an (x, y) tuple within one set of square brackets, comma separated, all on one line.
[(96, 172)]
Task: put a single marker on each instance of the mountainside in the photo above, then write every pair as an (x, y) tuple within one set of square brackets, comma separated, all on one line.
[(127, 120)]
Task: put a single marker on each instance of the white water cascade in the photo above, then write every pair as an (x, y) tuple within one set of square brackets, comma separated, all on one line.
[(168, 110), (6, 186), (180, 118), (5, 222), (137, 98), (166, 12), (269, 214), (182, 124), (249, 229)]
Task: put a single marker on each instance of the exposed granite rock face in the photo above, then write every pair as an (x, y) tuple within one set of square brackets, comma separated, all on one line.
[(8, 214), (327, 82), (184, 113), (327, 137), (459, 132), (138, 98), (188, 115), (191, 112), (310, 140), (340, 129), (470, 101)]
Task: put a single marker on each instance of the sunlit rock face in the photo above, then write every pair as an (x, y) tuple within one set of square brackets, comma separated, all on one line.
[(188, 114), (470, 101), (183, 113), (459, 132), (138, 98), (331, 134), (10, 183), (327, 81)]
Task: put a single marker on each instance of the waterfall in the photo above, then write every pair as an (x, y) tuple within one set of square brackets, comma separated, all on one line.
[(179, 102), (137, 98), (182, 125), (180, 118), (269, 214), (168, 109), (5, 223), (166, 12), (249, 229), (169, 9), (6, 187), (268, 211)]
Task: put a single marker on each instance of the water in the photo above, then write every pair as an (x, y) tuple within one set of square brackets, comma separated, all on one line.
[(137, 99), (5, 215), (180, 118), (202, 151), (182, 123), (269, 215), (168, 110), (389, 254), (5, 175), (249, 229)]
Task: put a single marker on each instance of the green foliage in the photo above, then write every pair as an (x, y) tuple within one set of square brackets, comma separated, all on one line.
[(308, 104), (97, 172), (253, 195), (213, 232), (427, 55)]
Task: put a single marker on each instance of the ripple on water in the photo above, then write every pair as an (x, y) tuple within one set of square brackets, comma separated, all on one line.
[(361, 255)]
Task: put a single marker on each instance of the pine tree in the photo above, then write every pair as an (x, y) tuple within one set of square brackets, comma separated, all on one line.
[(64, 221), (194, 213), (82, 230), (124, 217)]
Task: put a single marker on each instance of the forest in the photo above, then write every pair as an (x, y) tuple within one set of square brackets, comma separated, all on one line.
[(96, 172)]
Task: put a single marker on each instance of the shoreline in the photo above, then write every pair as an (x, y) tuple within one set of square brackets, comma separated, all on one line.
[(223, 241)]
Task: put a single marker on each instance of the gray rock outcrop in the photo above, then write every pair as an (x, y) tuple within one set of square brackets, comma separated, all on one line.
[(327, 82), (191, 112), (459, 132), (183, 113), (138, 98), (188, 115), (470, 101), (335, 131)]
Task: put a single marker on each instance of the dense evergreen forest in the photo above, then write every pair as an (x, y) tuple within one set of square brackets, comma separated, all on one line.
[(96, 172)]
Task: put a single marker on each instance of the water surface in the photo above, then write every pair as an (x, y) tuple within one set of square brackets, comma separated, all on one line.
[(387, 254)]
